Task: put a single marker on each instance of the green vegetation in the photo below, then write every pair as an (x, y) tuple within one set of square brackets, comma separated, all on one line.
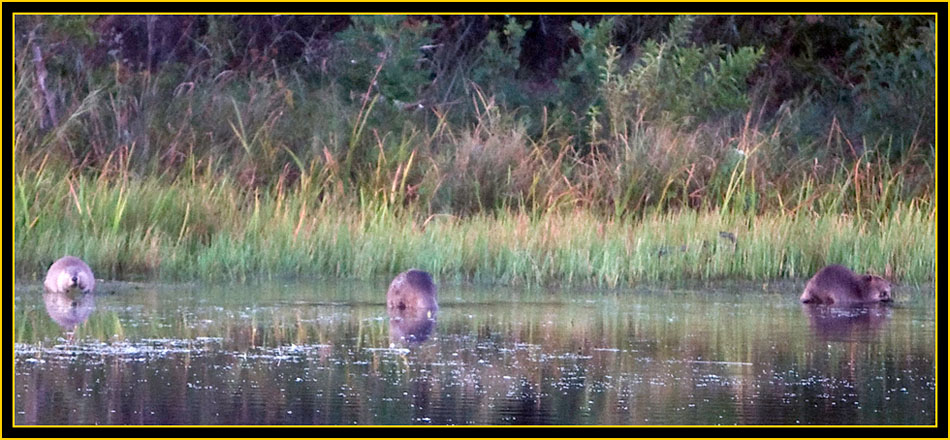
[(213, 229), (360, 146)]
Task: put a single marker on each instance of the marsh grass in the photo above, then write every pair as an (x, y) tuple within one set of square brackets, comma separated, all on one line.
[(210, 229)]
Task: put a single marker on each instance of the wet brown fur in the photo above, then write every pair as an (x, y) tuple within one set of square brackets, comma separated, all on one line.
[(413, 290), (69, 273), (839, 285)]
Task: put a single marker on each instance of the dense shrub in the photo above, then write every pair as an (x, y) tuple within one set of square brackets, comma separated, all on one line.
[(461, 114)]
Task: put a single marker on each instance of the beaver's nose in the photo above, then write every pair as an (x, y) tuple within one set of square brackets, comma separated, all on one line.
[(75, 279)]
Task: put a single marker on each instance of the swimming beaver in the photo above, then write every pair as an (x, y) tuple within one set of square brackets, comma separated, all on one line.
[(839, 285), (69, 273), (412, 289)]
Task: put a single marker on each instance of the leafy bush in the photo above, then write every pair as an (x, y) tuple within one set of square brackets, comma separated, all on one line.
[(892, 61), (600, 113), (394, 45), (678, 82), (497, 64)]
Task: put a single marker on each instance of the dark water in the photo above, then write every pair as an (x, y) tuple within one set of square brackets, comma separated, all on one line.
[(327, 353)]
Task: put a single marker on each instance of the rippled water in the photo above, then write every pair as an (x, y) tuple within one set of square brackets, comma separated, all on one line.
[(328, 353)]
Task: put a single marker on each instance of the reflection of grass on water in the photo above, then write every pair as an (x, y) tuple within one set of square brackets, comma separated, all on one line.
[(35, 326), (210, 230), (605, 350), (653, 325)]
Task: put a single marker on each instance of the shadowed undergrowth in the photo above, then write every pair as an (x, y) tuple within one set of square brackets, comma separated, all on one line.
[(670, 156)]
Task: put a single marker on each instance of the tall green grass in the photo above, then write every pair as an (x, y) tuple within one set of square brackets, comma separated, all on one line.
[(211, 229)]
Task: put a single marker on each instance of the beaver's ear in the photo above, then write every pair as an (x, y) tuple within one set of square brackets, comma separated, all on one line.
[(868, 277)]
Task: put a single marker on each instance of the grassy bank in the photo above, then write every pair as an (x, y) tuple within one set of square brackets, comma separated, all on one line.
[(211, 158), (210, 229)]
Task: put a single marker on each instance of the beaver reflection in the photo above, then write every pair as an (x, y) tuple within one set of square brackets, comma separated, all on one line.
[(847, 323), (69, 309), (410, 327), (411, 305)]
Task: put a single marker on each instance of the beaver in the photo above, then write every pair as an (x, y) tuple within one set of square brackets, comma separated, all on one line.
[(839, 285), (69, 273), (412, 289)]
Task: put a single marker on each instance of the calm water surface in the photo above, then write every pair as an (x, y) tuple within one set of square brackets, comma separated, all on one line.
[(328, 353)]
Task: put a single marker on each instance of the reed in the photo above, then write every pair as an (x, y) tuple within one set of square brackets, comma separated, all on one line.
[(130, 228)]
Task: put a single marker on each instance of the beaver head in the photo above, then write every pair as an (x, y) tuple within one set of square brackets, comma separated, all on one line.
[(877, 288)]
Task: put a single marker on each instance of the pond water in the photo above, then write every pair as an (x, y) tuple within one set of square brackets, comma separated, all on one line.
[(328, 353)]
